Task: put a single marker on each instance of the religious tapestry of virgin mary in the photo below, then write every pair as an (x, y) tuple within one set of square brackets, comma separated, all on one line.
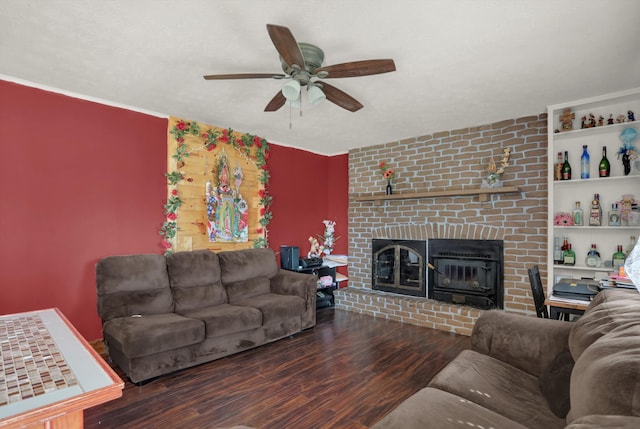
[(217, 197)]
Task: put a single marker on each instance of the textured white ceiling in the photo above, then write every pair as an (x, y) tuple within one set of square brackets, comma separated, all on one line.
[(459, 63)]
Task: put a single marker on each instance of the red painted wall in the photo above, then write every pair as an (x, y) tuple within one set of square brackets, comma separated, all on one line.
[(81, 180), (307, 189)]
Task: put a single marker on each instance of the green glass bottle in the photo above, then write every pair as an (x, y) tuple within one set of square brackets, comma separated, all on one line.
[(569, 256), (618, 258), (604, 169), (566, 167)]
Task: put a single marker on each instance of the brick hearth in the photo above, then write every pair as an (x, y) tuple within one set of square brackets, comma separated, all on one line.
[(449, 160)]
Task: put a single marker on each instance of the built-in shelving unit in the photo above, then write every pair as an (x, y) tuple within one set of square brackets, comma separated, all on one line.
[(563, 194), (482, 193)]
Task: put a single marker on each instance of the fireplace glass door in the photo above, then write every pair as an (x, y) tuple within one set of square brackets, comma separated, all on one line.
[(399, 267)]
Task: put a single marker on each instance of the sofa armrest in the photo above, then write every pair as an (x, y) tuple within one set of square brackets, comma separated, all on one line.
[(527, 343), (303, 285), (292, 283)]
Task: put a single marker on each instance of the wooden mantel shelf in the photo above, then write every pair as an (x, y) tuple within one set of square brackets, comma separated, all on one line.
[(482, 193)]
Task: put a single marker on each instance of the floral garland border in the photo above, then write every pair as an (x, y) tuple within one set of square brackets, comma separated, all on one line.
[(243, 144)]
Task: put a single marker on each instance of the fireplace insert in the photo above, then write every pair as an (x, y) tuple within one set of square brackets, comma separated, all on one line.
[(399, 266), (467, 272)]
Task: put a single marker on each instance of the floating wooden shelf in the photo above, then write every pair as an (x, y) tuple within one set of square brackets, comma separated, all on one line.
[(482, 193)]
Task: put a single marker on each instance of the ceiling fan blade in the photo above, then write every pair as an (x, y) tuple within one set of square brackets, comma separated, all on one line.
[(286, 45), (244, 76), (340, 98), (357, 68), (276, 102)]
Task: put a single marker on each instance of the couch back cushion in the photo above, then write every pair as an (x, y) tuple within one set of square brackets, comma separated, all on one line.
[(195, 280), (605, 343), (243, 289), (133, 284), (611, 309), (239, 265), (606, 378)]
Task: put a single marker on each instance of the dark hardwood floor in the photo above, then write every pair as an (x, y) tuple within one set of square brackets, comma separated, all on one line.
[(347, 372)]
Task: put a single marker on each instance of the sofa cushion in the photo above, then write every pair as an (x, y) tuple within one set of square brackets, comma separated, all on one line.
[(243, 289), (225, 319), (554, 383), (195, 280), (435, 409), (132, 284), (611, 309), (275, 308), (238, 265), (500, 387), (149, 334), (606, 377)]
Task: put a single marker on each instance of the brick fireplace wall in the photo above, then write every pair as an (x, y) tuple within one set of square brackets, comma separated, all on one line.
[(450, 160)]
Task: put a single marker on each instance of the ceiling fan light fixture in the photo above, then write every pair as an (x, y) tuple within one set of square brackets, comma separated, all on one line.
[(315, 94), (291, 90)]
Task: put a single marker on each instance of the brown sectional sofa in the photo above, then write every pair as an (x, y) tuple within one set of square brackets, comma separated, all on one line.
[(525, 372), (161, 314)]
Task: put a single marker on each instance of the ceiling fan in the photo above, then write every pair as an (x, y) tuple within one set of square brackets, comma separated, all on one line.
[(302, 63)]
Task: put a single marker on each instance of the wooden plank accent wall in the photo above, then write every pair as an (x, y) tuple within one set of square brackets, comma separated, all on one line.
[(202, 165), (450, 160)]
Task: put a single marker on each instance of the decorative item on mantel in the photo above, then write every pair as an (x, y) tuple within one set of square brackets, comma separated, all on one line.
[(628, 151), (388, 174), (492, 180)]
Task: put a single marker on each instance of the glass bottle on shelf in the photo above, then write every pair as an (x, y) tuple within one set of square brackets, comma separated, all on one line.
[(569, 256), (593, 257), (585, 163), (566, 167), (604, 169), (614, 215), (557, 168), (618, 258), (577, 215), (557, 251), (595, 215)]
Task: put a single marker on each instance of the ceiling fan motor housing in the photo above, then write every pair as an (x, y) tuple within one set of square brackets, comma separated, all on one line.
[(313, 58)]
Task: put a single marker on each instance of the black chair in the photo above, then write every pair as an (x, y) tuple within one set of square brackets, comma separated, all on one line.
[(538, 292)]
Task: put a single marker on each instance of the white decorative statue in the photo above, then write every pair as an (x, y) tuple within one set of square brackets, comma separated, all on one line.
[(329, 230)]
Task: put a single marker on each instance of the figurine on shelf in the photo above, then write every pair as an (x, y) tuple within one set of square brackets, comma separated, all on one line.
[(566, 120), (601, 121), (628, 150), (610, 120), (316, 249), (631, 116), (620, 119), (626, 205)]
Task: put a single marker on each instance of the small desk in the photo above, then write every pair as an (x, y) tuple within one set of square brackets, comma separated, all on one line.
[(51, 373), (558, 307)]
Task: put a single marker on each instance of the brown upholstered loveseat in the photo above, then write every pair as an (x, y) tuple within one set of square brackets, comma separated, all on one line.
[(525, 372), (160, 314)]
